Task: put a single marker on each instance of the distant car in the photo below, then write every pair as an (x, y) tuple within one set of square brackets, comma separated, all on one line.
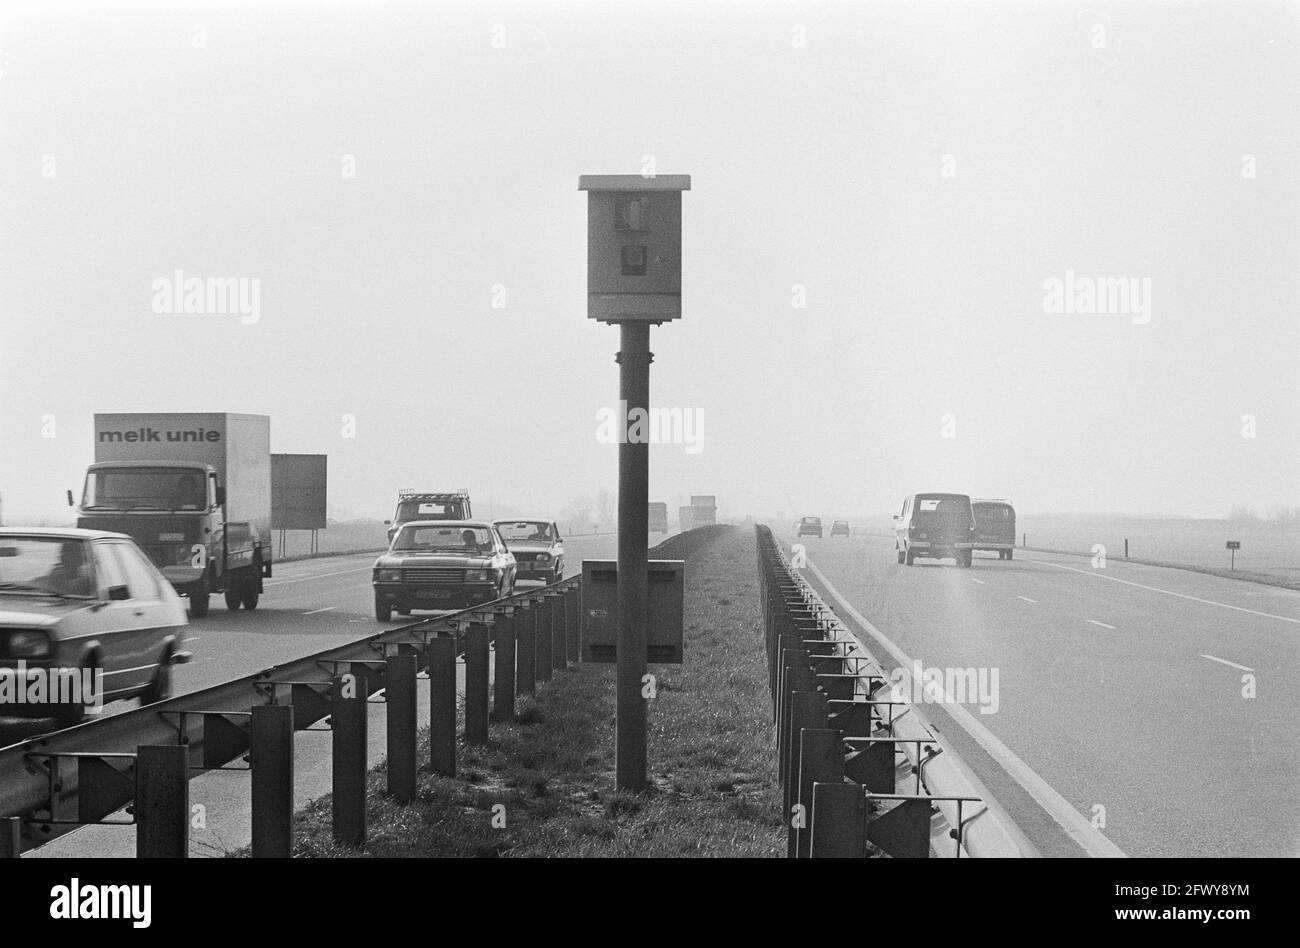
[(995, 527), (442, 565), (840, 528), (810, 527), (935, 526), (537, 548), (90, 601), (413, 506)]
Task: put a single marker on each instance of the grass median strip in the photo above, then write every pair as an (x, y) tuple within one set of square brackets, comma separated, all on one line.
[(544, 784)]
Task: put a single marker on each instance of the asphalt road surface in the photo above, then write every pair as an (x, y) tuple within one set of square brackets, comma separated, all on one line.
[(1124, 688)]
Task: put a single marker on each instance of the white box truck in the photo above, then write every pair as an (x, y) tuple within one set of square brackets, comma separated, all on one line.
[(194, 491)]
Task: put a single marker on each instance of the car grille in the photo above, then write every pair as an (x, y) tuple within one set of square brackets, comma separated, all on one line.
[(525, 557), (432, 574)]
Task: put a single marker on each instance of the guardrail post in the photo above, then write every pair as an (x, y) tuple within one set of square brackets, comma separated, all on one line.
[(526, 658), (559, 637), (821, 760), (572, 623), (399, 694), (807, 710), (162, 801), (476, 684), (503, 678), (11, 837), (545, 638), (270, 758), (348, 706), (841, 827), (442, 705)]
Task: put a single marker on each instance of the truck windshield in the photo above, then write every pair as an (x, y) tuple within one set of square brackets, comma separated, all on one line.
[(424, 510), (145, 488)]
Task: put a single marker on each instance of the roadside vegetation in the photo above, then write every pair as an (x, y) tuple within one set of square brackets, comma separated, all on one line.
[(544, 785)]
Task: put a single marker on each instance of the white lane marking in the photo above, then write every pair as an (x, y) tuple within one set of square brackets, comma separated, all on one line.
[(192, 638), (974, 580), (1102, 624), (1075, 824), (1167, 592), (303, 579), (1224, 661), (315, 611), (123, 671), (1027, 599)]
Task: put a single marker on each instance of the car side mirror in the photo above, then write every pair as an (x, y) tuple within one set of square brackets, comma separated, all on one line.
[(70, 503), (388, 523), (221, 495), (118, 593)]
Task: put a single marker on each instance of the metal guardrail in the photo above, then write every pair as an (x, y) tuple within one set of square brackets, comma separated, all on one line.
[(143, 759), (862, 774)]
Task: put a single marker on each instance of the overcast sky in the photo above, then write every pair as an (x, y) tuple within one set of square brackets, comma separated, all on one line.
[(882, 196)]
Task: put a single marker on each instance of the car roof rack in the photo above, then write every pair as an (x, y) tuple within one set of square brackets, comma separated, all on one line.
[(410, 493)]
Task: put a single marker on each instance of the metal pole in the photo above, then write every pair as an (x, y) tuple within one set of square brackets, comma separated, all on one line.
[(476, 684), (11, 837), (270, 758), (399, 696), (503, 679), (559, 646), (442, 705), (572, 624), (348, 707), (633, 538), (543, 637), (162, 801), (526, 650)]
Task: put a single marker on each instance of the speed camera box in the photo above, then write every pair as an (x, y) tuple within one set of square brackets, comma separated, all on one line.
[(665, 612)]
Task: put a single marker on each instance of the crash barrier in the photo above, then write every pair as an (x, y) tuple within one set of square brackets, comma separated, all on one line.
[(143, 759), (861, 772)]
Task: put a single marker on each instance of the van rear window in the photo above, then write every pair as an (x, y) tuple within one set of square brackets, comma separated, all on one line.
[(992, 512)]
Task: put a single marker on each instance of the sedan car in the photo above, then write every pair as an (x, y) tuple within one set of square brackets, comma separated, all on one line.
[(537, 548), (85, 618), (840, 528), (442, 565), (810, 527)]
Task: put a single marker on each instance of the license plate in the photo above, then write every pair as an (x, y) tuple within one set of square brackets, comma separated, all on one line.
[(434, 594)]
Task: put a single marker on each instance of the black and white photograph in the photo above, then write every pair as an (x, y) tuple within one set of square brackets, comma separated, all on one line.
[(650, 430)]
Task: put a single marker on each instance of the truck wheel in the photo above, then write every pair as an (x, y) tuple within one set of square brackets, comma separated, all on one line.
[(1009, 553), (199, 593), (383, 610), (908, 557), (900, 555), (965, 560), (233, 598), (250, 595)]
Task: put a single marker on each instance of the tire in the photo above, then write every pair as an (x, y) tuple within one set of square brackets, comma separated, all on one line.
[(233, 597), (1010, 553), (383, 610), (965, 560), (900, 555), (250, 595), (70, 715), (160, 689), (198, 595), (908, 557)]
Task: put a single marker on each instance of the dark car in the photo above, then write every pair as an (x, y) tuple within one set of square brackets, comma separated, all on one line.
[(840, 528), (442, 565), (937, 526), (87, 613), (995, 527), (536, 546), (810, 527)]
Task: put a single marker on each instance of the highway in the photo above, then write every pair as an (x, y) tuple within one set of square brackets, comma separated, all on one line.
[(1121, 687)]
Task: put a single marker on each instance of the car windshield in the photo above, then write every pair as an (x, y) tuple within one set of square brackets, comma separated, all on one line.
[(457, 538), (812, 519), (942, 509), (425, 510), (536, 530), (52, 566), (145, 488)]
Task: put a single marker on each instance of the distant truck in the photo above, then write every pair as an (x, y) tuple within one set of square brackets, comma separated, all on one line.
[(194, 492), (658, 518), (704, 510), (413, 505)]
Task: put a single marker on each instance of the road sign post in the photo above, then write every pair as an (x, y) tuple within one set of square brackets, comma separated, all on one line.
[(633, 281), (1234, 546)]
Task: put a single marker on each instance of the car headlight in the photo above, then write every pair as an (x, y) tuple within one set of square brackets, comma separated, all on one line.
[(543, 557), (28, 644), (388, 575), (476, 576)]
